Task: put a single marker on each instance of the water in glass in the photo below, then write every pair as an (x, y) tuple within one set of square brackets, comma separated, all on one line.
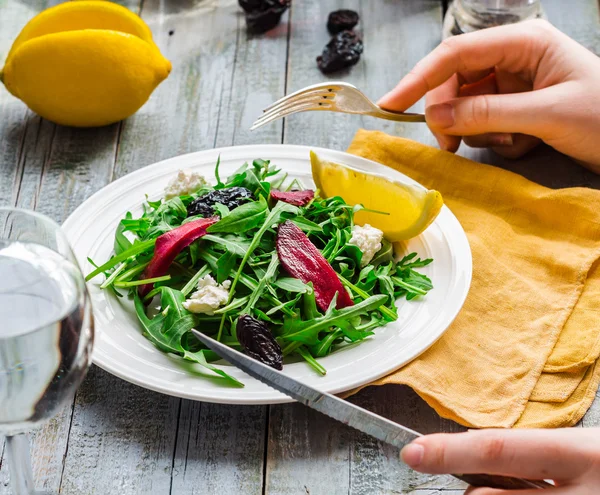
[(43, 356)]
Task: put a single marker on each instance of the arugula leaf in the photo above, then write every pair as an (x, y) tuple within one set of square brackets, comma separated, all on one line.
[(353, 334), (234, 244), (224, 266), (384, 255), (290, 284), (219, 185), (307, 226), (306, 355), (170, 341), (241, 219), (323, 347), (235, 177), (152, 327), (407, 262), (307, 332), (221, 209), (194, 248), (121, 242), (135, 249), (284, 306), (276, 215), (252, 183), (263, 281), (309, 304), (200, 358), (277, 182), (191, 285)]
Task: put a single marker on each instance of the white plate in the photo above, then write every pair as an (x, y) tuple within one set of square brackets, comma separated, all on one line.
[(121, 349)]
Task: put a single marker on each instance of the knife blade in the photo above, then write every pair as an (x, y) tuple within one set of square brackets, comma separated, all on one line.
[(350, 414)]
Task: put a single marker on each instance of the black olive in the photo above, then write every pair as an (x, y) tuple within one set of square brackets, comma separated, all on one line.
[(263, 15), (341, 20), (231, 197), (258, 341), (342, 51)]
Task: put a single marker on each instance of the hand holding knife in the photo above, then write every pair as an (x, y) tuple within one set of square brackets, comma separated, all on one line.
[(350, 414)]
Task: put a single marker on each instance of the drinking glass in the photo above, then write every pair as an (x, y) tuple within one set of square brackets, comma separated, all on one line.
[(46, 332), (465, 16)]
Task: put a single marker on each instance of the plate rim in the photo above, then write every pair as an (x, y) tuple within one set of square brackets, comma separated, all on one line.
[(230, 399)]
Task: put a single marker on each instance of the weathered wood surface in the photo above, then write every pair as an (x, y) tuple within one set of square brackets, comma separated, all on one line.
[(119, 438)]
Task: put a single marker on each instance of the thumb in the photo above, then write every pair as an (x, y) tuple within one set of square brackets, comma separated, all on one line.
[(530, 113)]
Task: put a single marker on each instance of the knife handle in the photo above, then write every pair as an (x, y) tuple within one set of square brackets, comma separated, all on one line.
[(503, 482)]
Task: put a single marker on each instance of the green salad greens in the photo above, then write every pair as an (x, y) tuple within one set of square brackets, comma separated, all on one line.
[(237, 249)]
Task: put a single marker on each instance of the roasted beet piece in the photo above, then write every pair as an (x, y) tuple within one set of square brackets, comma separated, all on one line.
[(342, 51), (231, 197), (296, 198), (263, 15), (302, 260), (170, 244), (258, 341), (341, 20)]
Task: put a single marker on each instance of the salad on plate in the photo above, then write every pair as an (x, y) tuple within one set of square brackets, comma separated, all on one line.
[(262, 264)]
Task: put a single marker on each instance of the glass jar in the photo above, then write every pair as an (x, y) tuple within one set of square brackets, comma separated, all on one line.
[(465, 16)]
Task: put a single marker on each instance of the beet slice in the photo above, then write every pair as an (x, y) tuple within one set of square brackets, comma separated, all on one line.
[(170, 244), (302, 260), (296, 198)]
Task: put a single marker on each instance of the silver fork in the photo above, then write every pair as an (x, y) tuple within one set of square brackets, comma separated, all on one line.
[(330, 97)]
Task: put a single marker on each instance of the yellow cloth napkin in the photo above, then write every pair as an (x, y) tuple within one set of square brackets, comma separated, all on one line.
[(524, 349)]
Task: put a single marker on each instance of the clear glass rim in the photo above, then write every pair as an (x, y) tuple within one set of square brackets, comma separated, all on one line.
[(32, 213)]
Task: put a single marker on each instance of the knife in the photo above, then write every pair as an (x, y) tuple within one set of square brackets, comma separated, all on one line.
[(370, 423)]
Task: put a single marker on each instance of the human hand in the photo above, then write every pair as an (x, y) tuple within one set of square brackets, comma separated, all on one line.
[(509, 87), (569, 456)]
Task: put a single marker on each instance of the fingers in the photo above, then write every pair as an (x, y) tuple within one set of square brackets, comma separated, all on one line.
[(489, 140), (511, 48), (483, 86), (527, 113), (507, 145), (532, 454), (442, 93), (522, 144)]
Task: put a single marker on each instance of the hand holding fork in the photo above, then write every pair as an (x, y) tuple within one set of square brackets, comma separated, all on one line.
[(330, 97)]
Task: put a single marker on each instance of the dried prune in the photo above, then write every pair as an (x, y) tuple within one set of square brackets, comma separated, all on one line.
[(342, 51), (341, 20), (263, 15), (231, 197), (258, 341)]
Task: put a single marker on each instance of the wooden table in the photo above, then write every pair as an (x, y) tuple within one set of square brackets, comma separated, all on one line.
[(117, 438)]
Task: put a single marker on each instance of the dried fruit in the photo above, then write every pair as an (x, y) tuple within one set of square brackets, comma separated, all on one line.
[(170, 244), (341, 20), (231, 197), (342, 51), (258, 341), (263, 15), (296, 198), (302, 260)]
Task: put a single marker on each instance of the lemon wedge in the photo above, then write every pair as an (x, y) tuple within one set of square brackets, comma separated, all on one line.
[(85, 63), (411, 208)]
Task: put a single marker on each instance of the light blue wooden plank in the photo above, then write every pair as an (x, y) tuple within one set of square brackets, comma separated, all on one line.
[(396, 34)]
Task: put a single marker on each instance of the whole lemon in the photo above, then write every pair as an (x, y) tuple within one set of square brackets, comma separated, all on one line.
[(86, 63)]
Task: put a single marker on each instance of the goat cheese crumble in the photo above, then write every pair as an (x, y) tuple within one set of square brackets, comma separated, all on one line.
[(209, 296), (185, 182), (368, 240)]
